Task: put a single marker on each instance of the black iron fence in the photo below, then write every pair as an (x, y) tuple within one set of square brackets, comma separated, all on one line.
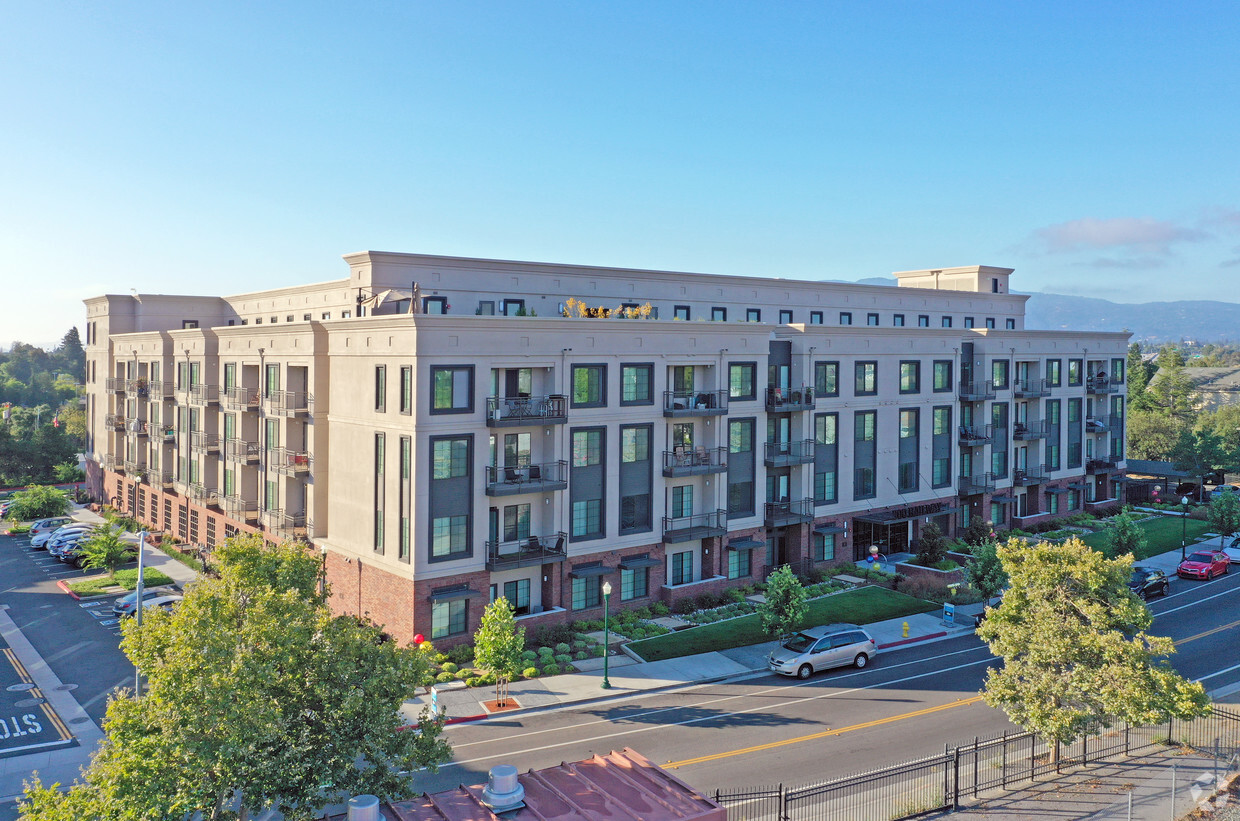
[(942, 781)]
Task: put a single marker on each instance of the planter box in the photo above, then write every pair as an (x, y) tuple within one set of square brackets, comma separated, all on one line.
[(915, 571)]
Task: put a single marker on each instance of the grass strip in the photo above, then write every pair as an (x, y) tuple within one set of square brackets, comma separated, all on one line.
[(1161, 535), (862, 606), (125, 579)]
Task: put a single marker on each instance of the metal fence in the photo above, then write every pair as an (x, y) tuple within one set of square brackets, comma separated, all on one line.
[(943, 780)]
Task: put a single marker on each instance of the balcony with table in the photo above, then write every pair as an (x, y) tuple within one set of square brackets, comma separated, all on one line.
[(518, 411), (512, 480), (529, 552), (137, 427), (1029, 430), (241, 450), (203, 495), (784, 454), (1031, 475), (288, 462), (1100, 386), (289, 403), (137, 388), (1102, 464), (242, 399), (700, 461), (1103, 424), (976, 436), (240, 509), (1030, 388), (788, 512), (790, 401), (203, 442), (679, 404), (114, 421), (976, 483), (977, 391), (158, 478), (135, 468), (697, 526)]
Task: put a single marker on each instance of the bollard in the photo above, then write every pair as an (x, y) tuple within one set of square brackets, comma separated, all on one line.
[(905, 629)]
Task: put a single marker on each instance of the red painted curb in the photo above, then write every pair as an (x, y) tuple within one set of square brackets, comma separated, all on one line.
[(65, 588), (913, 640), (463, 719)]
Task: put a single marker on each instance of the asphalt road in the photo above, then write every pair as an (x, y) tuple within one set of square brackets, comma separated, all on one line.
[(770, 730)]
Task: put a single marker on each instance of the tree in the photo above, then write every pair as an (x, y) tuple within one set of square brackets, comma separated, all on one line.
[(38, 502), (1170, 390), (1074, 647), (70, 357), (498, 645), (257, 697), (985, 572), (1139, 373), (1124, 536), (1224, 514), (977, 532), (1152, 435), (932, 547), (784, 608), (106, 550), (1200, 452)]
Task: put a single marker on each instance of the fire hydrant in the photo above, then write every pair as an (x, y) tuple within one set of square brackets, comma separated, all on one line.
[(905, 629)]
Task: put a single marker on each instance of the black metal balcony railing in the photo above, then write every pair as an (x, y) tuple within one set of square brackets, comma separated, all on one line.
[(286, 525), (239, 508), (202, 394), (114, 421), (1103, 424), (241, 450), (699, 461), (528, 552), (697, 526), (200, 493), (1031, 475), (977, 483), (203, 442), (288, 462), (510, 480), (977, 391), (1101, 464), (289, 403), (782, 514), (238, 398), (783, 454), (515, 411), (1029, 430), (116, 384), (1029, 388), (137, 388), (695, 403), (796, 399), (975, 436), (1100, 385)]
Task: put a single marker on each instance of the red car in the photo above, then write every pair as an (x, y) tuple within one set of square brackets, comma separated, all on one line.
[(1204, 565)]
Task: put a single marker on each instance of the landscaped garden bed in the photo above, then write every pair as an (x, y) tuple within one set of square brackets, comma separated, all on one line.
[(124, 580)]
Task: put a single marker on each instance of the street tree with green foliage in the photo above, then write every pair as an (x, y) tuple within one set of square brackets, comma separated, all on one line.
[(1124, 536), (106, 550), (932, 546), (498, 646), (38, 502), (1170, 391), (1074, 647), (257, 697), (1224, 515), (1201, 452), (785, 607), (985, 572)]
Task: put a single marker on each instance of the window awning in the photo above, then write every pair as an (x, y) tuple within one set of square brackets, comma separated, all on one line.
[(1076, 486), (828, 529), (744, 544), (890, 517), (635, 562), (1120, 480), (1003, 498), (589, 571), (454, 593), (1056, 490)]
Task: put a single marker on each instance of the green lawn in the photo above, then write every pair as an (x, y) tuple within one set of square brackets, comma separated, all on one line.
[(862, 606), (126, 579), (1161, 534)]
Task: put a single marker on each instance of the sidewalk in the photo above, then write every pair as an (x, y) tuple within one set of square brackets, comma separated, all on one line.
[(152, 557)]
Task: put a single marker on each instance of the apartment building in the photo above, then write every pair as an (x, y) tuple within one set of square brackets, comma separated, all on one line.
[(448, 430)]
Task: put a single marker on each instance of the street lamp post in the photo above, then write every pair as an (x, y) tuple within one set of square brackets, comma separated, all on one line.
[(1183, 527), (606, 634)]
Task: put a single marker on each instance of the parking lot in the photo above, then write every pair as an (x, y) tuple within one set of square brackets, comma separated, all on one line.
[(27, 721)]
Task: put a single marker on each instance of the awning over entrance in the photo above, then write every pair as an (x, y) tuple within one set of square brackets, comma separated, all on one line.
[(905, 514), (1003, 498), (1076, 486), (827, 530), (635, 562), (589, 571), (744, 544), (454, 593), (1056, 490)]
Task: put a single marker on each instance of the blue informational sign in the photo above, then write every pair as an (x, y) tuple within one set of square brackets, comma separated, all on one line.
[(434, 701), (949, 614)]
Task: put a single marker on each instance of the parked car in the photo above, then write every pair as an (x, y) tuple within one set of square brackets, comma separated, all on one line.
[(821, 648), (165, 602), (47, 538), (47, 525), (59, 549), (1147, 582), (1221, 490), (125, 605), (1204, 564)]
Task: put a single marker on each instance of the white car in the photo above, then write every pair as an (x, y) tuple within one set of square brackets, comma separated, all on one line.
[(47, 525), (821, 648), (164, 602), (49, 537)]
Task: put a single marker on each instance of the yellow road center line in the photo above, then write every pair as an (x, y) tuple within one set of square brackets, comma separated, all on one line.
[(1210, 632), (825, 733)]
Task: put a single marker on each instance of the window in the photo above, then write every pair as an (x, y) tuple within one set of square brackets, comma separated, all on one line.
[(1052, 503), (994, 285), (1074, 499), (680, 312), (452, 389), (739, 564), (518, 595), (1117, 371), (942, 375), (999, 374), (380, 485), (1052, 373), (682, 567), (824, 547), (864, 452), (718, 314), (486, 307), (826, 379), (946, 322), (434, 305), (910, 376), (923, 321), (636, 384), (587, 448), (990, 323), (634, 583), (512, 307), (380, 388), (406, 389), (587, 592), (516, 523), (968, 322), (189, 323), (910, 420), (845, 317), (1010, 324), (753, 315), (815, 317), (450, 459), (871, 320), (741, 378), (897, 320), (517, 449), (682, 501), (588, 518), (449, 618), (635, 514), (449, 535), (406, 475), (589, 386), (865, 378), (785, 317), (740, 468), (826, 458), (1074, 372), (324, 315), (634, 443)]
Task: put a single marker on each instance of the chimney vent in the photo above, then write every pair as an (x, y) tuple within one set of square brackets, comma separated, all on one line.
[(364, 808), (503, 792)]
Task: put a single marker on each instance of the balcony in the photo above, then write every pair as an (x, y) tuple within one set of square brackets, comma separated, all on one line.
[(1102, 465), (137, 427), (137, 388), (204, 394), (290, 462), (975, 436), (783, 454), (977, 483), (799, 399), (110, 463), (289, 403), (1030, 388), (698, 526), (155, 476), (1033, 475), (782, 514), (114, 421), (1100, 386), (203, 495), (240, 509), (203, 442), (1029, 430), (115, 384), (516, 411), (1103, 424), (286, 525), (243, 399), (977, 391), (695, 403), (167, 435), (700, 461), (161, 390), (514, 480), (135, 468), (241, 450), (531, 552)]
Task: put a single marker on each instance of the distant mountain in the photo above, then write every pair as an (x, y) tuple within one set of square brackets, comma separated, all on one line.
[(1199, 320)]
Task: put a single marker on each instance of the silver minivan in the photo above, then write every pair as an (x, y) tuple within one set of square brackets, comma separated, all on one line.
[(821, 648)]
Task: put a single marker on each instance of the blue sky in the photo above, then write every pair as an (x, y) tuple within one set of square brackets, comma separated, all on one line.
[(223, 147)]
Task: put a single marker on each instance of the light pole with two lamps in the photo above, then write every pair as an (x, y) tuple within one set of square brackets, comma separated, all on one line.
[(1184, 528), (606, 634)]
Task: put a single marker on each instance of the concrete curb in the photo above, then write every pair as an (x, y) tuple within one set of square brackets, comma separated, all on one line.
[(914, 640), (61, 584)]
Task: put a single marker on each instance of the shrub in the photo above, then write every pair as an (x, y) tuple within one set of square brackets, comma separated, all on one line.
[(735, 595), (659, 609), (580, 655), (529, 655), (563, 658), (684, 607), (444, 678), (597, 651), (450, 667), (932, 547), (38, 502), (551, 669), (580, 645), (462, 654), (545, 652), (562, 647), (440, 658), (474, 681), (530, 672), (642, 612)]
